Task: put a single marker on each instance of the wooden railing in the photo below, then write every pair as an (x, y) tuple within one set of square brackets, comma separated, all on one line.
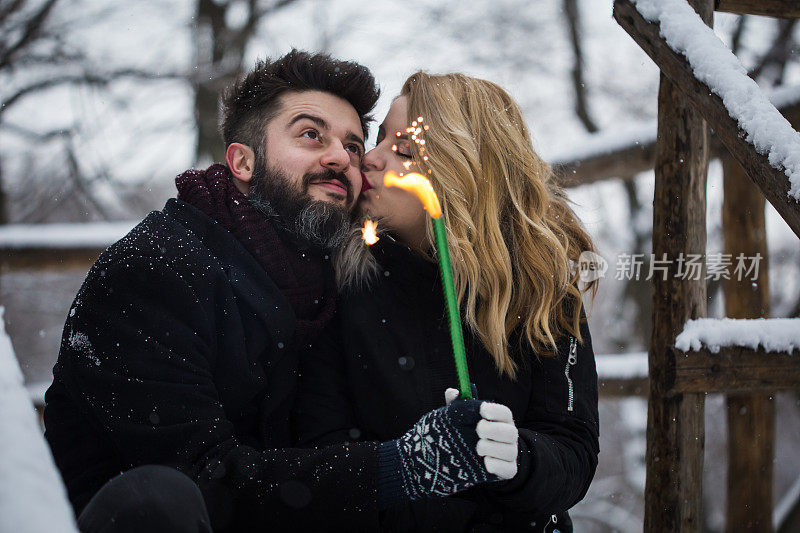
[(679, 381)]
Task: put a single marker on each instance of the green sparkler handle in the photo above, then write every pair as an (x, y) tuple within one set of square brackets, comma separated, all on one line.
[(453, 316)]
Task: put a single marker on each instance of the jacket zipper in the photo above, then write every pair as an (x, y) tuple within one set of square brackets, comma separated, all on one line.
[(572, 359), (553, 520)]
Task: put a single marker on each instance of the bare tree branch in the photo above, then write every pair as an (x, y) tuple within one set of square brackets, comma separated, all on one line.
[(581, 106), (87, 78), (779, 53), (220, 52), (35, 135), (10, 8), (33, 27), (80, 183), (736, 40)]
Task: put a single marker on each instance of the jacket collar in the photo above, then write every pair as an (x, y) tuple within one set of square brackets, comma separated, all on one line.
[(402, 262), (269, 303)]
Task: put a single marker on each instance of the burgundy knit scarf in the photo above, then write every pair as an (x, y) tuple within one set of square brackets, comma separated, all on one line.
[(302, 275)]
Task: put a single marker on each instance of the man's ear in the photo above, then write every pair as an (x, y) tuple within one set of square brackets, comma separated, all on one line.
[(241, 162)]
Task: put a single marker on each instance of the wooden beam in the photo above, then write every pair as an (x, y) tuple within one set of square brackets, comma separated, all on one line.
[(623, 163), (772, 182), (675, 422), (768, 8), (735, 369), (751, 416), (627, 161), (39, 259), (622, 387)]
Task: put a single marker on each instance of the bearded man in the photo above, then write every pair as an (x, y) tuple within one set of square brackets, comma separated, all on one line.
[(169, 409)]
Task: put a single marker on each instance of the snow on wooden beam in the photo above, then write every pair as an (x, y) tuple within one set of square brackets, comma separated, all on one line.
[(85, 235), (624, 154), (768, 8), (758, 126), (779, 335), (738, 355), (57, 246), (613, 154)]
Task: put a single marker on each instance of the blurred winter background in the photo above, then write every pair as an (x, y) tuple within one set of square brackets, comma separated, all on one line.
[(102, 103)]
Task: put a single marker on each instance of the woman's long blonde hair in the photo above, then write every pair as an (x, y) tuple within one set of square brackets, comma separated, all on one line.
[(514, 241)]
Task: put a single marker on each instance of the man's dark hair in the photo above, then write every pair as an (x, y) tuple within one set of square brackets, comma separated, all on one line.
[(250, 103)]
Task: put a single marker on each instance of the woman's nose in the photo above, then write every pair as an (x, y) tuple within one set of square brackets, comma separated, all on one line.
[(373, 160)]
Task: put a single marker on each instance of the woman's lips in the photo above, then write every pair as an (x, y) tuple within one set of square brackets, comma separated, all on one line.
[(365, 186)]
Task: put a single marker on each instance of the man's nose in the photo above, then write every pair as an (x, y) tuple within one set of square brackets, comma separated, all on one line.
[(336, 157)]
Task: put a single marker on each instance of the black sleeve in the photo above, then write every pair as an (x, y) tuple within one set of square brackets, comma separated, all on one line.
[(137, 356), (323, 412), (558, 438)]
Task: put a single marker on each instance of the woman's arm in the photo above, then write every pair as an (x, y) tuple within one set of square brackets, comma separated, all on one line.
[(558, 444)]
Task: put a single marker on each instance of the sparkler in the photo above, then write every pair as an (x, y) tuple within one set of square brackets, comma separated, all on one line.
[(370, 232), (419, 185)]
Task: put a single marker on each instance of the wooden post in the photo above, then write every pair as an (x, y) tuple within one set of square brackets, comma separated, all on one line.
[(675, 426), (751, 416)]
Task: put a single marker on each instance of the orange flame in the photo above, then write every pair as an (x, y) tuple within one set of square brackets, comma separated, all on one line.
[(370, 232), (419, 185)]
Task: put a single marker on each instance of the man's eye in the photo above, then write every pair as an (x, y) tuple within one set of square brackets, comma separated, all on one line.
[(311, 134), (356, 149)]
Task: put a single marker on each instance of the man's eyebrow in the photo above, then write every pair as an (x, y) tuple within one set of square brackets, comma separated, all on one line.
[(324, 125), (355, 138), (313, 118)]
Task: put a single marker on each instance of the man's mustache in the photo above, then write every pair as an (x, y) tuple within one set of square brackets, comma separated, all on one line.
[(329, 175)]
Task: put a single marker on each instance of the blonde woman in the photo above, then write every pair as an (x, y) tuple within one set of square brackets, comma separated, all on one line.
[(386, 358)]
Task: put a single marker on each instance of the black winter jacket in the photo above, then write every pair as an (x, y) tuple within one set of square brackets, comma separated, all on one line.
[(177, 351), (385, 360)]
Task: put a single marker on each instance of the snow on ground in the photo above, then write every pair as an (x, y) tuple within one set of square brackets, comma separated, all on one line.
[(622, 366), (32, 497), (83, 235), (716, 66), (772, 334)]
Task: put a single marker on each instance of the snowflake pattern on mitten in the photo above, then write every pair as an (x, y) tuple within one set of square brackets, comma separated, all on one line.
[(439, 456)]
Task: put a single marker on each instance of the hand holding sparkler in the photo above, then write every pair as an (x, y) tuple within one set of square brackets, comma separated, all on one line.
[(498, 437)]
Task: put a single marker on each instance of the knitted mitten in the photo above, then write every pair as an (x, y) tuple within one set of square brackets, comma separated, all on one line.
[(436, 457)]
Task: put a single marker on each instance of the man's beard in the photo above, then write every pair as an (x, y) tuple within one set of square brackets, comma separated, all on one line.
[(320, 223)]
